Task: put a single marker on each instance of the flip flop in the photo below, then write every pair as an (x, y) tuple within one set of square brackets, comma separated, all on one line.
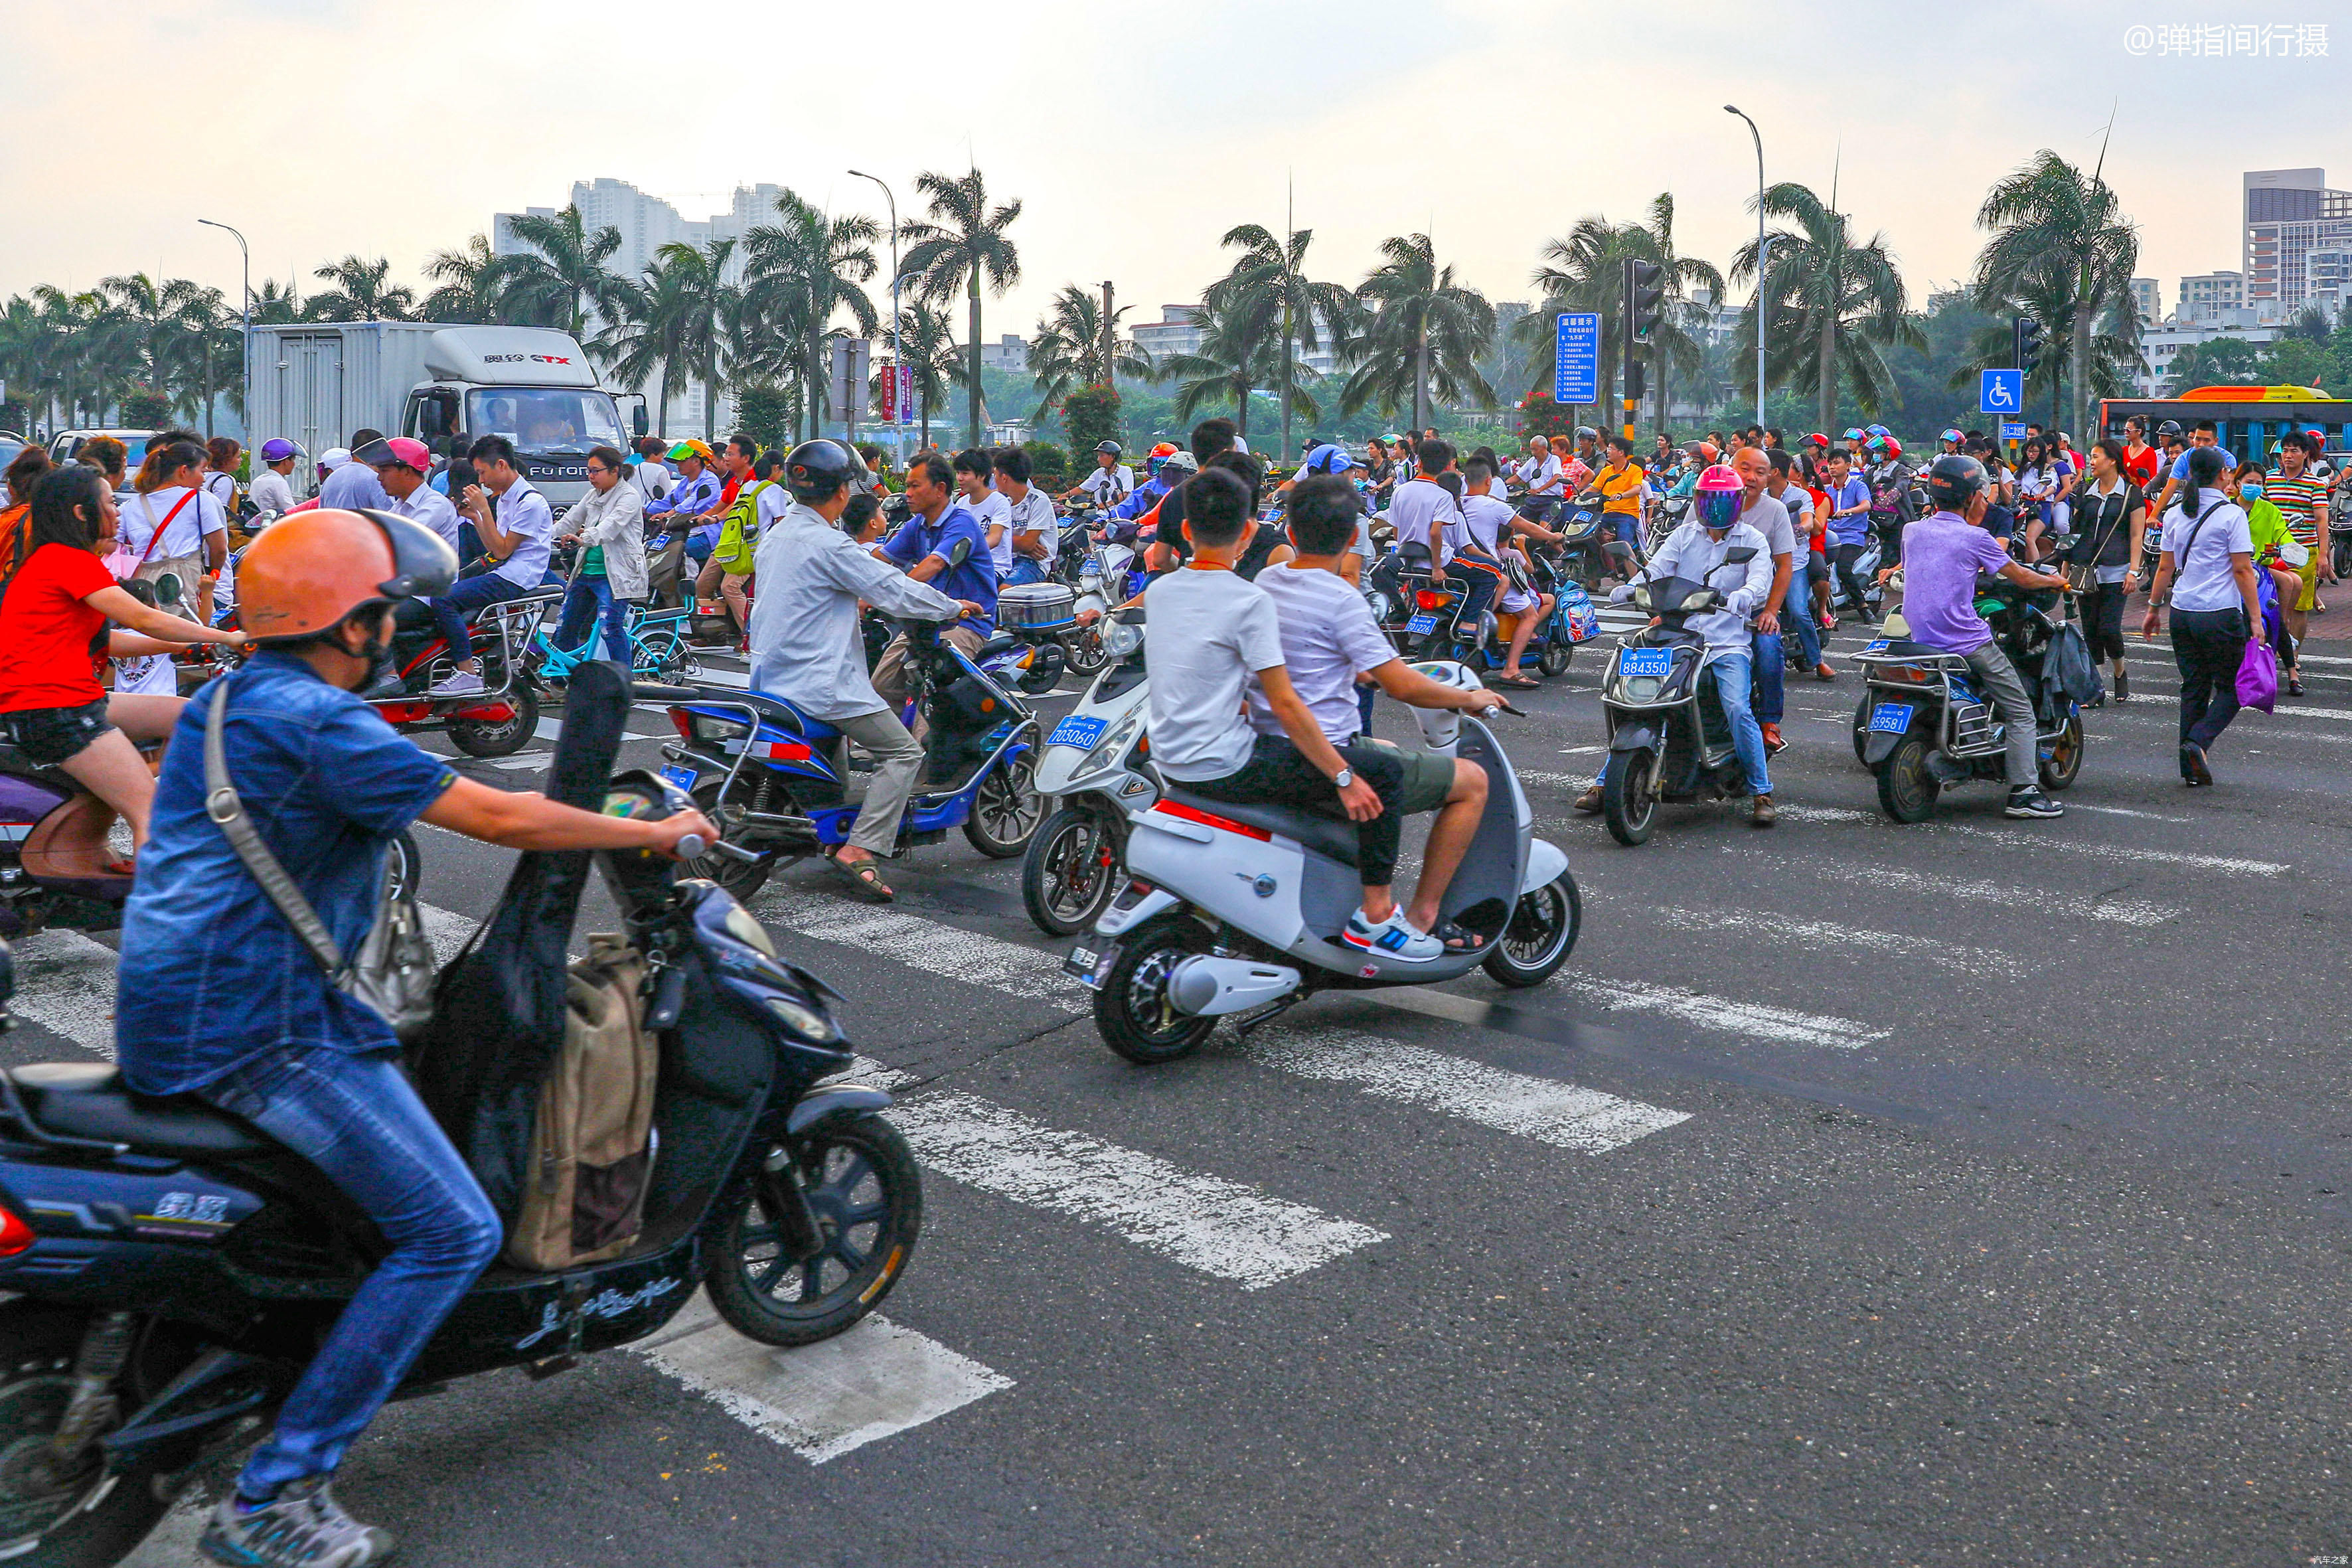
[(863, 875), (120, 869), (1516, 683), (1455, 939)]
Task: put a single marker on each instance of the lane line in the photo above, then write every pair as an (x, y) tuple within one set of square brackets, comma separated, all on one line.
[(1222, 1229), (1838, 937), (2027, 838), (824, 1400), (2121, 911), (66, 984), (1751, 1020)]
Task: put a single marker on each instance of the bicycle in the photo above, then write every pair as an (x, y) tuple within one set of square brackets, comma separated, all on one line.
[(658, 648)]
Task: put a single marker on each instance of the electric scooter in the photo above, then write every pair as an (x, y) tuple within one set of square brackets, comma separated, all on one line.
[(497, 721), (1238, 909), (1093, 768)]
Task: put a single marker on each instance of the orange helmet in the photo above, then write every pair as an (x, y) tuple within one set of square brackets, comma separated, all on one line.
[(310, 570)]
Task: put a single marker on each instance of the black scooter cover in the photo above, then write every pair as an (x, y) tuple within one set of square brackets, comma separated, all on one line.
[(497, 1013)]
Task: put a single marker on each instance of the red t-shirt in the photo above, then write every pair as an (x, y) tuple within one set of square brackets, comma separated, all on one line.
[(51, 644), (2141, 470)]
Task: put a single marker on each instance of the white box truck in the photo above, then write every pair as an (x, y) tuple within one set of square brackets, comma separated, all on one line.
[(314, 382)]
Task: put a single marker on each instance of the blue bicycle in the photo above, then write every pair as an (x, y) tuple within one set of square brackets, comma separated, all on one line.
[(658, 650)]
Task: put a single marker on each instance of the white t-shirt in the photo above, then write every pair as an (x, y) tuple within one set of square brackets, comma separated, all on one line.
[(1204, 633), (1328, 638), (146, 675), (652, 478), (1035, 511), (1540, 475), (222, 487), (992, 510), (1488, 519), (271, 491), (1421, 512), (2206, 580), (1771, 519), (1104, 486), (142, 515), (524, 512), (430, 507)]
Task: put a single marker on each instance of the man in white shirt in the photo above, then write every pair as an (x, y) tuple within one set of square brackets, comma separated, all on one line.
[(1541, 477), (353, 484), (1033, 533), (975, 467), (517, 534), (804, 646), (273, 488), (400, 466), (1109, 484)]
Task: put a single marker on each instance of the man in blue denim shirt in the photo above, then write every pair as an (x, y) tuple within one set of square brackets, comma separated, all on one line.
[(219, 998)]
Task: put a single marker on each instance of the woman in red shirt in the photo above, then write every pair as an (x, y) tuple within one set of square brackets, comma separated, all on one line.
[(54, 640)]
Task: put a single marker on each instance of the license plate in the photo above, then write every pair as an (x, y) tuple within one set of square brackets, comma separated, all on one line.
[(1081, 731), (1890, 718), (1421, 624), (1090, 964), (682, 778), (1650, 662), (1876, 646)]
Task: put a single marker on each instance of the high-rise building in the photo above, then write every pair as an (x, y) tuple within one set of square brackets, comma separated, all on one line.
[(2147, 301), (2213, 299), (2290, 213)]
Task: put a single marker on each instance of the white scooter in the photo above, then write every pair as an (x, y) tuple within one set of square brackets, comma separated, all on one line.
[(1093, 764), (1238, 909)]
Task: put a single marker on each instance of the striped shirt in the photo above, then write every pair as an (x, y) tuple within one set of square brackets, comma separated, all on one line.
[(2305, 502)]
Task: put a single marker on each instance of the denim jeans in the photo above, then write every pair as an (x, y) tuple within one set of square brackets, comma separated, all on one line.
[(1734, 673), (360, 1122), (1771, 676), (451, 610), (1796, 610), (1024, 571), (591, 596)]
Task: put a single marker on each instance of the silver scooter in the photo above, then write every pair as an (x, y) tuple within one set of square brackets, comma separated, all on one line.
[(1238, 909), (1093, 767)]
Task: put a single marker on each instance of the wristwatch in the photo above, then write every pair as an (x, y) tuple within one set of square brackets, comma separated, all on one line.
[(1343, 778)]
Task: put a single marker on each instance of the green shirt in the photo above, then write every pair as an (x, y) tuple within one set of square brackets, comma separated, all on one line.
[(2267, 526)]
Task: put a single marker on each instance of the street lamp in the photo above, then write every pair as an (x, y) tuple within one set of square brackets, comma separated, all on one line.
[(1762, 247), (898, 353), (246, 401)]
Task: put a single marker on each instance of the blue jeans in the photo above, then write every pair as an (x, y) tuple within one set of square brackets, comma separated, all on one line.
[(359, 1121), (1796, 610), (1026, 571), (1733, 674), (1771, 676), (1628, 526), (451, 610), (589, 595)]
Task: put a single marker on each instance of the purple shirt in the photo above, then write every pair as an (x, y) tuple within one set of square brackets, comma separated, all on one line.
[(1942, 554)]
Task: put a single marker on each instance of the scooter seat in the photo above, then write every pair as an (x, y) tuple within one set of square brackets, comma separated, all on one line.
[(13, 761), (773, 710), (90, 1099), (1327, 833), (996, 645), (1901, 648)]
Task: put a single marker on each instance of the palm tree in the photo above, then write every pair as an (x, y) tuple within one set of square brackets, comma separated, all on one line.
[(694, 313), (1068, 349), (799, 274), (1424, 336), (931, 363), (647, 338), (1832, 303), (1268, 284), (2056, 227), (361, 293), (276, 304), (966, 241), (562, 276), (470, 279), (152, 321), (1586, 271), (210, 335), (1233, 358)]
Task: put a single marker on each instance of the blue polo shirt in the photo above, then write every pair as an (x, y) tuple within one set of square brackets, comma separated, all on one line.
[(917, 540), (2180, 463), (211, 976)]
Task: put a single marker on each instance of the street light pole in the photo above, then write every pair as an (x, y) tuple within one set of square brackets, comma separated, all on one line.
[(1763, 248), (898, 353), (246, 264)]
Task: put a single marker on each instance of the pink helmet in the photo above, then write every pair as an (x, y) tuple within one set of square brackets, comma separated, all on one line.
[(1717, 497)]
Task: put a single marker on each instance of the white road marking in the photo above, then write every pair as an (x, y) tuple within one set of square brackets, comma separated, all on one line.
[(1559, 780), (1220, 1227), (1751, 1020), (2029, 838), (1844, 939), (929, 945), (1547, 1109), (824, 1400), (2123, 811), (2044, 900), (65, 983), (739, 682)]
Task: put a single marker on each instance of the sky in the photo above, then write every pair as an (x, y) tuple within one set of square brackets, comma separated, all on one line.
[(1133, 135)]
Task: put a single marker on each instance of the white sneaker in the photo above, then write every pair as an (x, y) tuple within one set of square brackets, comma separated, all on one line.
[(1391, 938), (459, 683)]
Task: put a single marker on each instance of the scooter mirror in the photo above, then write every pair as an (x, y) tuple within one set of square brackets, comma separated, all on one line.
[(958, 553)]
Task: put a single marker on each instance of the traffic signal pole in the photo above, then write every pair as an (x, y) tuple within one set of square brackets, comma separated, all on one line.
[(1644, 288)]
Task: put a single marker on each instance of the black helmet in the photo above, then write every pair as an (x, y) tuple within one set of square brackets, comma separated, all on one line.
[(816, 470), (2169, 428), (1954, 480)]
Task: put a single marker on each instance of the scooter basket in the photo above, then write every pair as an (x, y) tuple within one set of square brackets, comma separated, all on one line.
[(1036, 607)]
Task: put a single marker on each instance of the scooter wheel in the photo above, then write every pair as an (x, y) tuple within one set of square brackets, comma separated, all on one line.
[(480, 738), (1626, 803), (1005, 810), (1862, 729), (2064, 765), (1906, 786), (1555, 658), (859, 1179), (1133, 1011), (1542, 934), (1084, 651), (739, 878), (1071, 870), (1046, 663)]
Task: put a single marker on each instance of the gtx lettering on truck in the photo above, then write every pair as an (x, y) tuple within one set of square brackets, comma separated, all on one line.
[(526, 358)]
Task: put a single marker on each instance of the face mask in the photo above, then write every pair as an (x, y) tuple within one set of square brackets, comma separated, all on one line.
[(2251, 491)]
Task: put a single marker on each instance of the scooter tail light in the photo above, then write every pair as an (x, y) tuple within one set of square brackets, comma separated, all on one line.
[(15, 1235), (683, 722), (1431, 599)]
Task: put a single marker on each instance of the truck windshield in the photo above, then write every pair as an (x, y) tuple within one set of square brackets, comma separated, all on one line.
[(545, 420)]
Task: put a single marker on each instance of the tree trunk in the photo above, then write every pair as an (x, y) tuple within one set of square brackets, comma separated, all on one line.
[(1420, 411), (972, 402), (816, 387), (710, 390), (1287, 374)]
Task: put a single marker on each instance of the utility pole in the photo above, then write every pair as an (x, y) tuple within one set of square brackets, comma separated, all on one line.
[(1763, 246), (245, 404), (897, 358), (1109, 344)]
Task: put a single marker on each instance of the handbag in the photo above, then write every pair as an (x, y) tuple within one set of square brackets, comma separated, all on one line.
[(2258, 677), (125, 566), (2082, 574), (393, 971)]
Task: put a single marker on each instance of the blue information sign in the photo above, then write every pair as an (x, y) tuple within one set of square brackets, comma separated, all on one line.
[(1576, 356), (2000, 392), (2012, 429)]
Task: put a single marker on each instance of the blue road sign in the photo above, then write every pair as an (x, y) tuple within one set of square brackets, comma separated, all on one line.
[(2000, 392), (2012, 429), (1576, 358)]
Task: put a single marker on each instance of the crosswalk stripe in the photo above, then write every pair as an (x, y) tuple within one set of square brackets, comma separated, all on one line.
[(1750, 1020), (926, 944), (1839, 938), (65, 983), (2030, 838), (1220, 1227), (824, 1400), (2044, 900)]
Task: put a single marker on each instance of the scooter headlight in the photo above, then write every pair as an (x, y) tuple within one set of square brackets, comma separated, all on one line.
[(806, 1022), (1123, 638)]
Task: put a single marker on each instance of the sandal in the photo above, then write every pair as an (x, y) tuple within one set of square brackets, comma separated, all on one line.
[(120, 868), (1516, 683), (864, 875), (1455, 939)]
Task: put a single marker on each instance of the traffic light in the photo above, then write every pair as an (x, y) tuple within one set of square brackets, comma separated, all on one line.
[(1644, 287), (2028, 344)]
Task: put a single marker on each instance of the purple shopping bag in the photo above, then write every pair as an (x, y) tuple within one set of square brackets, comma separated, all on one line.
[(2258, 677)]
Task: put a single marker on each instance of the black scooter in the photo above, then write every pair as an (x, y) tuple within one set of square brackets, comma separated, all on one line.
[(175, 1269)]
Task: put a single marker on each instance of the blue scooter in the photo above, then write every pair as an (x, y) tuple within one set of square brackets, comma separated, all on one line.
[(776, 781)]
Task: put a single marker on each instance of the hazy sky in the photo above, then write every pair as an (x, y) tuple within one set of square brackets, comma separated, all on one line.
[(1134, 135)]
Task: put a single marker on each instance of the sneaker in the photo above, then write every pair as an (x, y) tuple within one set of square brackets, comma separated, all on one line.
[(2193, 771), (1589, 803), (301, 1527), (1392, 938), (2028, 801), (459, 683), (2123, 686), (1763, 814), (1773, 745)]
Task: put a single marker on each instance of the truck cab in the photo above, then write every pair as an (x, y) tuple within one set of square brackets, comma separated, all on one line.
[(531, 385)]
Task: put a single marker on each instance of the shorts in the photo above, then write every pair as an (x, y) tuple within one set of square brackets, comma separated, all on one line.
[(2310, 576), (1428, 776), (52, 735)]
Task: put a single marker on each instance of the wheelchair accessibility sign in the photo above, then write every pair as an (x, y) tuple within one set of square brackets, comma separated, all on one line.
[(2000, 392)]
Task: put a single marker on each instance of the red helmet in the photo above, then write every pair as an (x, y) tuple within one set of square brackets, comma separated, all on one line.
[(1817, 439), (1705, 451)]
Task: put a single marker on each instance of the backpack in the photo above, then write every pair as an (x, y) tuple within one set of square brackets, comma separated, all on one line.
[(590, 1161), (738, 535)]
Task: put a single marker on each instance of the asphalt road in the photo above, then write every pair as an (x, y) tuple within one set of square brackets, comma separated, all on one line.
[(1970, 1193)]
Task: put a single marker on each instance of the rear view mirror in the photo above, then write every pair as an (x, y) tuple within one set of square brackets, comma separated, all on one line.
[(958, 553), (1740, 556), (638, 423)]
